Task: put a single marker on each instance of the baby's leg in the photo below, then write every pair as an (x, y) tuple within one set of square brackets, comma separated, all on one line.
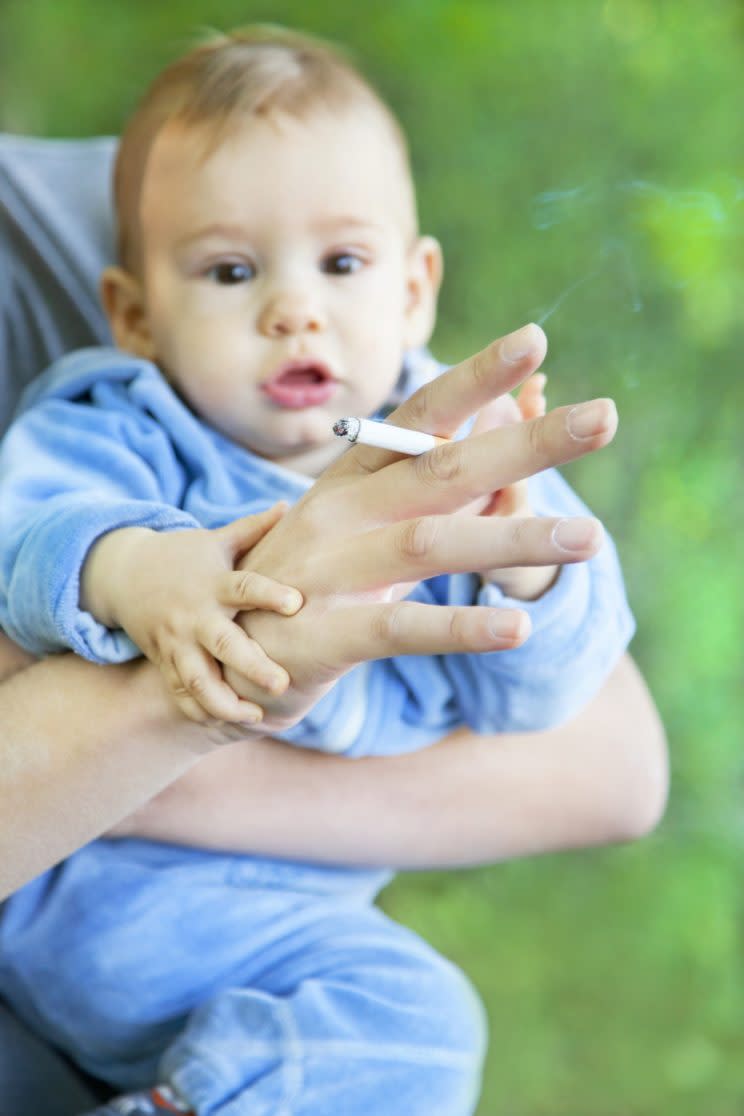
[(356, 1016), (252, 986)]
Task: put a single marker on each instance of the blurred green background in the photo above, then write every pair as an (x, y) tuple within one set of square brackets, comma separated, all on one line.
[(582, 164)]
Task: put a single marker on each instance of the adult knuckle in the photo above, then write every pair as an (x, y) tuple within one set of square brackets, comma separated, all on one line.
[(442, 465), (418, 537), (481, 366), (417, 409), (456, 626), (517, 537), (390, 624), (537, 434)]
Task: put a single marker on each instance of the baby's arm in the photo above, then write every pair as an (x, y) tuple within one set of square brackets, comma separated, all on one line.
[(92, 538), (176, 594)]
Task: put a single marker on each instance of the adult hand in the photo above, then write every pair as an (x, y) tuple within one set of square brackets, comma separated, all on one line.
[(374, 524)]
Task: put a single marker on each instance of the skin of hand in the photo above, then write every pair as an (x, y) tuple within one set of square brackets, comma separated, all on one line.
[(374, 524), (176, 594), (525, 583)]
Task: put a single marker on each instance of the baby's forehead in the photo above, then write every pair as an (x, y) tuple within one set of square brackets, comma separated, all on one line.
[(359, 125), (329, 158)]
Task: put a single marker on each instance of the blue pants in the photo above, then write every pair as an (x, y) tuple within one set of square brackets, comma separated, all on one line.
[(255, 987)]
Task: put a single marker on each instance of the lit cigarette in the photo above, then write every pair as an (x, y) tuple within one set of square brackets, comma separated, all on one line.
[(384, 436)]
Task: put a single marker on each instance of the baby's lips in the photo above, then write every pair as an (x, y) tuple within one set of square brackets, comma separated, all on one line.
[(300, 383)]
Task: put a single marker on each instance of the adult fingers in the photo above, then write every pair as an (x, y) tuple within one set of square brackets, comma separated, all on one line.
[(442, 406), (410, 628), (453, 475), (431, 545)]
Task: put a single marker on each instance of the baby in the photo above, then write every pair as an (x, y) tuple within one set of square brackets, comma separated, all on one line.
[(272, 278)]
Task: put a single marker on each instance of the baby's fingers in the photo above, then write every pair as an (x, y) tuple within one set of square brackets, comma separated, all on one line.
[(531, 397), (512, 500), (244, 533), (200, 691), (244, 590), (232, 647), (499, 412)]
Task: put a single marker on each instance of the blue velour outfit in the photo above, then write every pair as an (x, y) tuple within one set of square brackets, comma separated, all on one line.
[(255, 987)]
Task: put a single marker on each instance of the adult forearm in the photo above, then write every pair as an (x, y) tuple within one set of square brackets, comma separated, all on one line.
[(470, 799), (81, 746), (600, 778)]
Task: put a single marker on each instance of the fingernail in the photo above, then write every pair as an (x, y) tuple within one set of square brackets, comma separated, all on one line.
[(254, 717), (575, 534), (589, 419), (515, 346), (511, 626)]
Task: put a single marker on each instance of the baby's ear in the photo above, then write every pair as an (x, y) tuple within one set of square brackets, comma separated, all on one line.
[(425, 269), (124, 303)]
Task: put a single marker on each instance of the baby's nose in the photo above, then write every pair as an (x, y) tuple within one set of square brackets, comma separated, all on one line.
[(288, 313)]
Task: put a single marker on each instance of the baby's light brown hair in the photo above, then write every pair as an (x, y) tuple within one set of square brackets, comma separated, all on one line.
[(228, 79)]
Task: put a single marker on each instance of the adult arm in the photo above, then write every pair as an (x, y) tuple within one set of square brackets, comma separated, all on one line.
[(81, 746), (598, 778)]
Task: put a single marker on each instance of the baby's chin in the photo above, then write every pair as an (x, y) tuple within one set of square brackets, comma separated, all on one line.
[(310, 459)]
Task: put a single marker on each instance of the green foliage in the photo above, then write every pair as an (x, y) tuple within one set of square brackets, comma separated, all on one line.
[(582, 165)]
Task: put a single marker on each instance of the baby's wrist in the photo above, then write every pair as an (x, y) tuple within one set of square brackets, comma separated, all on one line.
[(109, 573)]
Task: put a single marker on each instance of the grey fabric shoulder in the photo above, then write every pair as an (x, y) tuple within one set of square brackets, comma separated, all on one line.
[(55, 237)]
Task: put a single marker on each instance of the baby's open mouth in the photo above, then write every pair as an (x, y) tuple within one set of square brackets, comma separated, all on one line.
[(300, 383)]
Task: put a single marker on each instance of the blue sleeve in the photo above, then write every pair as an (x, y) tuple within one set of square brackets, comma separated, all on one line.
[(380, 710), (69, 473), (580, 628)]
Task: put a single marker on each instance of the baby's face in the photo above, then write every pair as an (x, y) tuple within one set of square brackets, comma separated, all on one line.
[(283, 278)]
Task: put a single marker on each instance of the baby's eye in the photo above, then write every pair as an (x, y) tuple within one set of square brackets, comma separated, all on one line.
[(341, 263), (227, 274)]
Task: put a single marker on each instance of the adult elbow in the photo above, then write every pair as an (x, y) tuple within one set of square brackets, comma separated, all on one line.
[(642, 785), (628, 762)]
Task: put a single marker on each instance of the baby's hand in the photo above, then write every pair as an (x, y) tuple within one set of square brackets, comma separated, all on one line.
[(525, 583), (176, 595)]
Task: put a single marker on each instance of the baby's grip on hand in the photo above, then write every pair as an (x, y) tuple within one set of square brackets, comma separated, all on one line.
[(194, 673), (190, 629), (514, 500), (245, 590), (531, 397)]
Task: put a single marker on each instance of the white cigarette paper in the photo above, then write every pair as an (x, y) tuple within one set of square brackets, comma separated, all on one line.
[(366, 432)]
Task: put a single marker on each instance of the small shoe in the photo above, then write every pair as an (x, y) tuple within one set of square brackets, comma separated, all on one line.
[(153, 1102)]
